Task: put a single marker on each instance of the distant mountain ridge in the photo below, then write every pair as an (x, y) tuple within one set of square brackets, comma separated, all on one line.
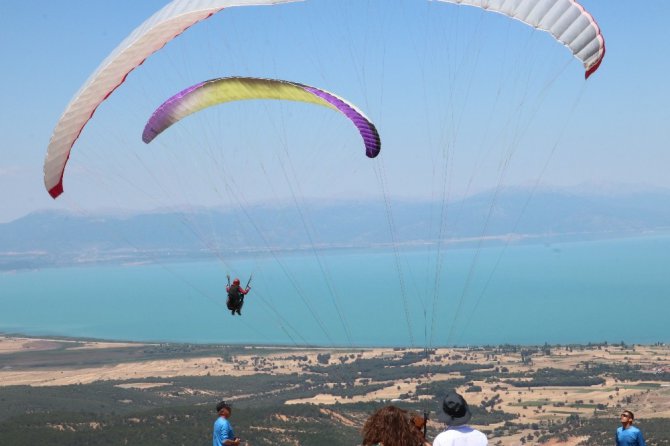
[(56, 238)]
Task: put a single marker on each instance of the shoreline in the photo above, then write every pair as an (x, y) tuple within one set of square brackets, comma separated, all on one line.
[(35, 261), (72, 338)]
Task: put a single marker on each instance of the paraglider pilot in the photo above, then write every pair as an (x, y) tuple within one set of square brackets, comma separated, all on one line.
[(236, 296)]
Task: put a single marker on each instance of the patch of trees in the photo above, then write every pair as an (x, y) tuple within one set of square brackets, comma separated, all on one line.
[(437, 389), (626, 372), (270, 425), (485, 417), (548, 377)]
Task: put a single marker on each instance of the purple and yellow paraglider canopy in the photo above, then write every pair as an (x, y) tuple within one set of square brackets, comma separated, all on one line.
[(228, 89)]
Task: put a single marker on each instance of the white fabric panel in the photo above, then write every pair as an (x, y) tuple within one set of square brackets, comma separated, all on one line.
[(566, 20)]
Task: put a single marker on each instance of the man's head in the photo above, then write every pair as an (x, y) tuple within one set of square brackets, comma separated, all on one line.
[(456, 410), (224, 409), (236, 281), (627, 418)]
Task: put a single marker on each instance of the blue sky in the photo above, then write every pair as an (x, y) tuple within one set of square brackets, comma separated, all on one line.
[(440, 81)]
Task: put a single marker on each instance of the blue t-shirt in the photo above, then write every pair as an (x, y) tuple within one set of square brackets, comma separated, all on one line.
[(222, 431), (629, 437)]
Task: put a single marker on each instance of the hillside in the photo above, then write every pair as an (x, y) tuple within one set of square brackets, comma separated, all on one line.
[(83, 392)]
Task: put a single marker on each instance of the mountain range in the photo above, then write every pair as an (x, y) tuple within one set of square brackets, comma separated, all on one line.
[(520, 215)]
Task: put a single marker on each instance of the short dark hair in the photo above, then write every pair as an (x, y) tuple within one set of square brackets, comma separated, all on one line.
[(629, 413), (222, 405)]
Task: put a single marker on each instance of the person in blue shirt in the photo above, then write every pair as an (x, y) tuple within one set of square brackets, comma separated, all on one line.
[(223, 432), (627, 434)]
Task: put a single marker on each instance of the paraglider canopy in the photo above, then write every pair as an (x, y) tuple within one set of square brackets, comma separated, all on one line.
[(217, 91)]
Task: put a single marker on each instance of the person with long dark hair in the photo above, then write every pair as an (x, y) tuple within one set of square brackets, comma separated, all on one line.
[(391, 426)]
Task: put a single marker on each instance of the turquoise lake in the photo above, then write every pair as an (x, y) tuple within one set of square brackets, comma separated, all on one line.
[(610, 290)]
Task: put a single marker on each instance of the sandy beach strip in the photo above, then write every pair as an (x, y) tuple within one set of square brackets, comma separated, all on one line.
[(14, 344)]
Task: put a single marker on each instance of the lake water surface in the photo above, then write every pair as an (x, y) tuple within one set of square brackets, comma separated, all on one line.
[(583, 292)]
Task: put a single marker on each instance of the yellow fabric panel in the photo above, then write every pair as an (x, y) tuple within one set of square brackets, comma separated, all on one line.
[(237, 89)]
